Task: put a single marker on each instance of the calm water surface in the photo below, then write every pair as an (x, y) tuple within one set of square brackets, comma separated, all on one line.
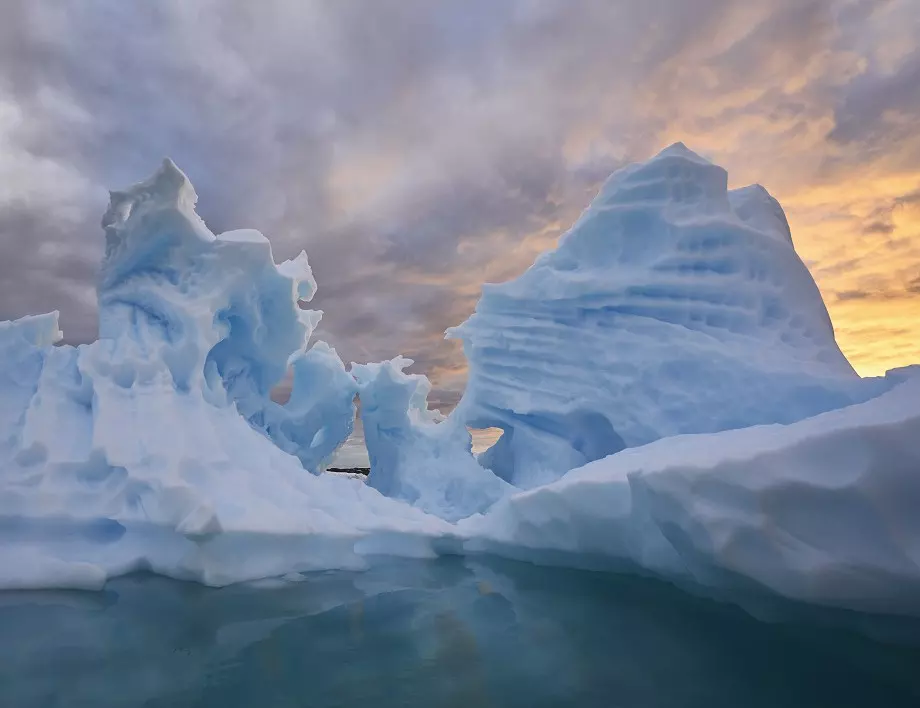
[(451, 632)]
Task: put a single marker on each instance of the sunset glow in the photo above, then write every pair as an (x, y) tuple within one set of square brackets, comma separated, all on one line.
[(418, 150)]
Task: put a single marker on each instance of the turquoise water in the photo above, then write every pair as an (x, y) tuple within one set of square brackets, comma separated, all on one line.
[(451, 632)]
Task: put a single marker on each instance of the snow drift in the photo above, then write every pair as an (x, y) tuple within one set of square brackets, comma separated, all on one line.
[(672, 397)]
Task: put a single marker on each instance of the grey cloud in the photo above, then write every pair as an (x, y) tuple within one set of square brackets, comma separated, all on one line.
[(876, 295), (845, 295), (862, 111), (476, 104), (908, 290), (878, 227), (881, 220), (41, 270), (909, 199)]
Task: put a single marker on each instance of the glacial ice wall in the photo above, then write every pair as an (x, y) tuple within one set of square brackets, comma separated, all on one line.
[(674, 305)]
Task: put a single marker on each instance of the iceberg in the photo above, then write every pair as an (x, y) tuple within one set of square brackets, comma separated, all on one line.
[(415, 454), (672, 306), (158, 445), (671, 394)]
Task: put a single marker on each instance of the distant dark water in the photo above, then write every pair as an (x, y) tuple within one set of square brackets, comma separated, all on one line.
[(450, 632)]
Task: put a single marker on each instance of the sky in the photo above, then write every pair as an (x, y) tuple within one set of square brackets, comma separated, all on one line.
[(419, 148)]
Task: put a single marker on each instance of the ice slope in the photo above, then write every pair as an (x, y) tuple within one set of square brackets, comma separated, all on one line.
[(157, 445), (673, 305), (415, 454), (822, 511)]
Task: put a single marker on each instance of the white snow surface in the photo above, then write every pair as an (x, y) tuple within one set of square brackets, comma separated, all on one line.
[(672, 400), (672, 306)]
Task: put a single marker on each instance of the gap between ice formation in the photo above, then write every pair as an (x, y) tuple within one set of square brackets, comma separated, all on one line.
[(667, 382)]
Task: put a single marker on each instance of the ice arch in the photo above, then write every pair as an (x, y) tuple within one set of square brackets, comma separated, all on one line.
[(534, 446)]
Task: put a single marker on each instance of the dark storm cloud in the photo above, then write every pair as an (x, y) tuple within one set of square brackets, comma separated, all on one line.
[(410, 146)]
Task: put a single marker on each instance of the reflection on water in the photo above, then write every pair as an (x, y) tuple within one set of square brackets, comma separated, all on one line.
[(450, 632)]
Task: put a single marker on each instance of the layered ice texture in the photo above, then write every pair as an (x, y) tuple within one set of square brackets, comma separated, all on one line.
[(671, 395), (672, 306)]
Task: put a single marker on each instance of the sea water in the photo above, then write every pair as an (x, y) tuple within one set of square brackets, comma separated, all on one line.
[(451, 632)]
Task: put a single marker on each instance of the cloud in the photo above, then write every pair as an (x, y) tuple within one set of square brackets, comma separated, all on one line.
[(418, 148), (881, 219)]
